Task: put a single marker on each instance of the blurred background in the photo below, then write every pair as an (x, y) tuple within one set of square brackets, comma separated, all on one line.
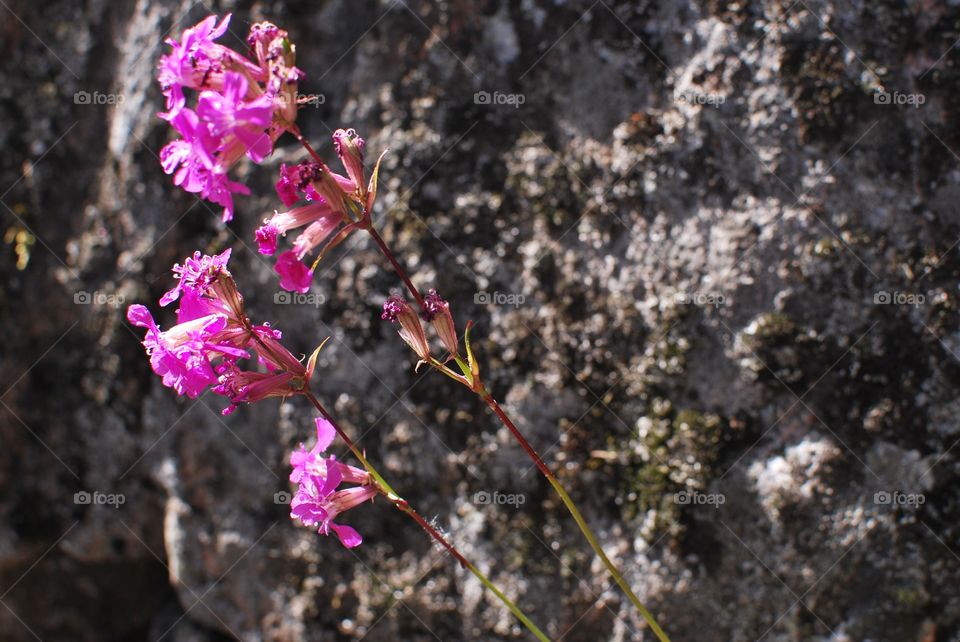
[(711, 250)]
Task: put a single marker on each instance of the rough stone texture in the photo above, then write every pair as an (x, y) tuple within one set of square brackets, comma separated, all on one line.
[(705, 210)]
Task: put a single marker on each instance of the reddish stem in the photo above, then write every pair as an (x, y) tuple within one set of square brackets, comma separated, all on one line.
[(303, 141), (396, 266), (505, 419)]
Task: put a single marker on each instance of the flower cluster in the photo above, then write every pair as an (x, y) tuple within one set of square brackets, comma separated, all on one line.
[(333, 201), (211, 337), (243, 105), (318, 502)]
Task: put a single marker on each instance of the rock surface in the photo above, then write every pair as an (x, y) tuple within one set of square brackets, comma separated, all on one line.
[(712, 258)]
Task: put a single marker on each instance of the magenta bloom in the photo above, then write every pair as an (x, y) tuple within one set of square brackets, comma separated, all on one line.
[(212, 335), (243, 105), (182, 355), (197, 274), (294, 275), (195, 61), (294, 182), (317, 501), (320, 221), (228, 116), (266, 238), (199, 162)]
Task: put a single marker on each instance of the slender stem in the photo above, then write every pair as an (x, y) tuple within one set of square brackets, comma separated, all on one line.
[(575, 512), (402, 505), (303, 141), (473, 569), (505, 419), (385, 250)]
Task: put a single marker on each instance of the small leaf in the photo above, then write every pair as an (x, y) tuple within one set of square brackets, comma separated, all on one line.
[(312, 362), (372, 187), (471, 360)]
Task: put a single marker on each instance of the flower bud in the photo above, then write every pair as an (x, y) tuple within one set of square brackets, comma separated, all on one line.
[(397, 310), (437, 312), (350, 148)]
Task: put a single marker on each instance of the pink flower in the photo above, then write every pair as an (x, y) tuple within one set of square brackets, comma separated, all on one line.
[(199, 162), (294, 275), (213, 335), (317, 501), (266, 238), (194, 60), (228, 115), (198, 273), (319, 218), (182, 355), (242, 106)]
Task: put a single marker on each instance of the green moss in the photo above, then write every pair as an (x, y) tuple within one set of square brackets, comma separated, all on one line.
[(683, 446)]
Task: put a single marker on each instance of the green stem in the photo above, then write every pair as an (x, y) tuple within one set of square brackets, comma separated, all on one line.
[(402, 505), (477, 387), (575, 512)]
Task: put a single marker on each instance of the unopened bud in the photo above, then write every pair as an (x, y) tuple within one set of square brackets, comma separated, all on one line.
[(437, 312), (397, 310)]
